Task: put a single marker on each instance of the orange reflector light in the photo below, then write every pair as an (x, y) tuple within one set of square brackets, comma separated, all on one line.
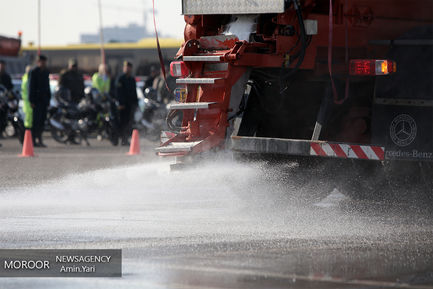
[(178, 69), (371, 67), (384, 67)]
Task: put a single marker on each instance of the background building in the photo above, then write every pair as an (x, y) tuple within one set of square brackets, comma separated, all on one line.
[(131, 33), (142, 54)]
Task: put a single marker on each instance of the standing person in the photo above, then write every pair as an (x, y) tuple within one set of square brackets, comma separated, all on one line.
[(162, 94), (73, 80), (153, 74), (5, 78), (101, 80), (27, 108), (126, 90), (112, 78), (39, 96)]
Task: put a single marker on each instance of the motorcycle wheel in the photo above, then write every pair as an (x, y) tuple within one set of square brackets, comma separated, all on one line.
[(10, 130), (19, 130), (3, 123), (58, 135), (75, 138)]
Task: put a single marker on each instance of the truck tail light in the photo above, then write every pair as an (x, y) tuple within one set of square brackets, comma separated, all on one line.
[(372, 67), (178, 69)]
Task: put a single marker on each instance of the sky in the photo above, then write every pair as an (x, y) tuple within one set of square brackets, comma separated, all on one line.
[(64, 20)]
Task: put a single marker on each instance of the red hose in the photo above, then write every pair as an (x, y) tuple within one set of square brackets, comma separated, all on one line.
[(161, 60)]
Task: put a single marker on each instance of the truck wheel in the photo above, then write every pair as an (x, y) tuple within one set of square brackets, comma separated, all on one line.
[(365, 180)]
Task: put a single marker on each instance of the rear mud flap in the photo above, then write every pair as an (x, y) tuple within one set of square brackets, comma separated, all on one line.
[(405, 131)]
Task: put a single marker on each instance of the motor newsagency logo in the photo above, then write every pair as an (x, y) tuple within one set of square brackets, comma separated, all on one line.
[(403, 130), (26, 265), (70, 264), (61, 263)]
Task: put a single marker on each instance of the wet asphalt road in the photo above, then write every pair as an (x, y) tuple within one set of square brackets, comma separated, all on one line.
[(221, 225)]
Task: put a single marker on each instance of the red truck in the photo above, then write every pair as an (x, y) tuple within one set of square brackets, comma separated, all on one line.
[(349, 82), (10, 52), (9, 46)]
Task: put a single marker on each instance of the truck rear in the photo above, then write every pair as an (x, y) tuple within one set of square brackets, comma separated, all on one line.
[(314, 80)]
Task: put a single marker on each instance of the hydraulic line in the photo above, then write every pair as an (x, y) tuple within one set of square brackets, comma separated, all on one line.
[(301, 54), (169, 120), (304, 41)]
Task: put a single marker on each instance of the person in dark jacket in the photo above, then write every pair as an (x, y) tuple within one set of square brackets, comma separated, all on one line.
[(73, 80), (5, 78), (153, 74), (163, 95), (126, 90), (39, 96)]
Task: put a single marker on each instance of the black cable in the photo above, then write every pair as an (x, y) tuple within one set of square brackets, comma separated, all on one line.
[(303, 39), (169, 120), (304, 43)]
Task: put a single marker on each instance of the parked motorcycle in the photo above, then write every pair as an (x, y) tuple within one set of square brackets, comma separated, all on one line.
[(67, 120), (150, 116), (102, 115), (11, 119)]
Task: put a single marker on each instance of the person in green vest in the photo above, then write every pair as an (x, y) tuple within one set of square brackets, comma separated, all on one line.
[(27, 107), (101, 80)]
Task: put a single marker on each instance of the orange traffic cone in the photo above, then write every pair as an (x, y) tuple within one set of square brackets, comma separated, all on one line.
[(134, 149), (27, 145)]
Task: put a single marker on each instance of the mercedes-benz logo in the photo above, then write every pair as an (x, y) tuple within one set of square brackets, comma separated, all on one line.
[(403, 130)]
